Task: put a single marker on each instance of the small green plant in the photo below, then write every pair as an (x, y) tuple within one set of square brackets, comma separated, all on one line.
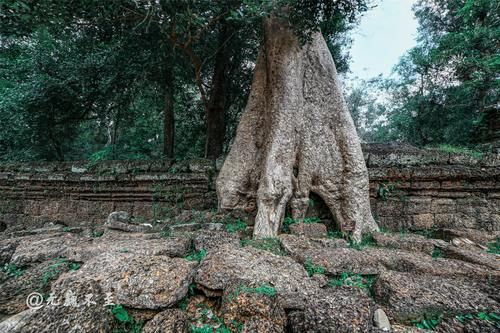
[(99, 156), (197, 256), (74, 266), (96, 233), (125, 322), (464, 317), (494, 247), (335, 234), (352, 279), (212, 323), (12, 270), (165, 233), (430, 322), (309, 220), (287, 222), (491, 317), (58, 266), (272, 245), (437, 253), (385, 189), (460, 150), (237, 226), (312, 269)]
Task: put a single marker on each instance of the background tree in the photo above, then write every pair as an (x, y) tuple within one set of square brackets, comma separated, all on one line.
[(135, 79), (447, 87)]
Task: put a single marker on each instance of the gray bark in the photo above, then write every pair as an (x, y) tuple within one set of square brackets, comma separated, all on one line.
[(296, 136)]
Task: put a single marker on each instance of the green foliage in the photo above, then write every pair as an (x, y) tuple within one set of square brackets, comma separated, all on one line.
[(288, 221), (12, 270), (272, 245), (336, 234), (352, 279), (237, 226), (446, 88), (125, 322), (312, 269), (460, 150), (165, 233), (309, 220), (491, 317), (212, 323), (96, 233), (385, 189), (430, 322), (91, 79), (464, 317), (197, 256), (494, 247), (58, 266), (74, 266), (437, 253)]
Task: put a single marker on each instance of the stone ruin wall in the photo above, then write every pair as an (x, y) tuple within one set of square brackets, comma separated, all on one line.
[(409, 188)]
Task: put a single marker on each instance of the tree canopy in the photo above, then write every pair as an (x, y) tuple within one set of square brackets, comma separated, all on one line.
[(445, 89), (154, 78), (96, 79)]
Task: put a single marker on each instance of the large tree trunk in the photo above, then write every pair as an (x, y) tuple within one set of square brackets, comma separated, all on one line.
[(168, 119), (296, 136), (216, 122)]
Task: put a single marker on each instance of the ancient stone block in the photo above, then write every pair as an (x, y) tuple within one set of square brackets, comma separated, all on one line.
[(443, 206), (312, 230), (423, 221), (417, 205)]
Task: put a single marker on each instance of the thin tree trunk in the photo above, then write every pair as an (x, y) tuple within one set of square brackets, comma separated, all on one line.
[(168, 119), (296, 136), (216, 122)]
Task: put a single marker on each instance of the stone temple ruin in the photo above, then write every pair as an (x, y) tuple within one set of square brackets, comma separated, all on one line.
[(166, 261)]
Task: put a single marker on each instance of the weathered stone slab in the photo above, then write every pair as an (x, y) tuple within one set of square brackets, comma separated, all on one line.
[(227, 265), (341, 309), (410, 297), (139, 281), (168, 321)]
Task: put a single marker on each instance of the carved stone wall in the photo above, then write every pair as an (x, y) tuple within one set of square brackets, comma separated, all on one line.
[(32, 195), (410, 189), (423, 189)]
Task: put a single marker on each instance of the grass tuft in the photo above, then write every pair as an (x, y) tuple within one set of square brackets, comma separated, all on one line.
[(352, 279), (272, 245), (237, 226), (12, 270), (494, 247), (125, 322), (312, 269), (197, 256)]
